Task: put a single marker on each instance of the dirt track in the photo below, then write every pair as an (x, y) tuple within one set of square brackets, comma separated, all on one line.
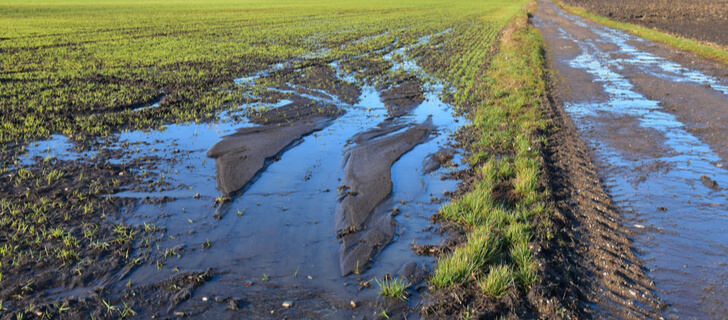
[(650, 117), (699, 19)]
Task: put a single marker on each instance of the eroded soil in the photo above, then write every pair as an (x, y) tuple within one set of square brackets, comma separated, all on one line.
[(287, 206)]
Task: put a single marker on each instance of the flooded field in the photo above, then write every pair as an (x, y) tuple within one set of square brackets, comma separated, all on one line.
[(292, 210), (665, 176)]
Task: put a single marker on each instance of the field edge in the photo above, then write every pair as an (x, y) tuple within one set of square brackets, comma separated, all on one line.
[(704, 49)]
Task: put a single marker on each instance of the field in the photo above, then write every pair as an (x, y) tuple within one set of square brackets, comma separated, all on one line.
[(363, 159), (172, 158)]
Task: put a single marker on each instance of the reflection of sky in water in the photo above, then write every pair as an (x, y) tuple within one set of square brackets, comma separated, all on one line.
[(291, 203)]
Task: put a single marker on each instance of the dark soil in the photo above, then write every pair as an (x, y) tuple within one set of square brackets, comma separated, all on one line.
[(698, 19), (592, 261), (403, 95), (362, 224), (619, 284), (240, 156)]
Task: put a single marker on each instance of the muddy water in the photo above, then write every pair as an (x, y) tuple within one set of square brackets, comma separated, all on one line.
[(281, 225), (669, 184)]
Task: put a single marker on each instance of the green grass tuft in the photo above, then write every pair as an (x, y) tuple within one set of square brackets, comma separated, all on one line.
[(497, 282), (394, 288)]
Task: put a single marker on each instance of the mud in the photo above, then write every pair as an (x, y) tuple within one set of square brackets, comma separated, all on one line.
[(688, 18), (658, 150), (253, 225), (402, 96), (362, 225), (242, 155)]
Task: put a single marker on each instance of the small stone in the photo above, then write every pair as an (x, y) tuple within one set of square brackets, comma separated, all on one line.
[(179, 314), (204, 299), (353, 304), (233, 305), (287, 304), (121, 173), (310, 278), (197, 196), (639, 226)]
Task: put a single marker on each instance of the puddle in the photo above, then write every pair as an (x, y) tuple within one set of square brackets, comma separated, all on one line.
[(680, 221), (282, 223)]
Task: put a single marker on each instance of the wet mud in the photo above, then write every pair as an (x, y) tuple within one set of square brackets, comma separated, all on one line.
[(649, 121), (402, 96), (243, 216), (242, 155), (362, 226)]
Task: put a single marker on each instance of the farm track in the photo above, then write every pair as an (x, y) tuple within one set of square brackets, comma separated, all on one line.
[(698, 19), (650, 118)]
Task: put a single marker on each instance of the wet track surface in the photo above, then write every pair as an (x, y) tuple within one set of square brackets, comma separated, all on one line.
[(653, 122)]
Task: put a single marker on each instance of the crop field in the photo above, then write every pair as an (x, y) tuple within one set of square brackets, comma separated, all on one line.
[(266, 159)]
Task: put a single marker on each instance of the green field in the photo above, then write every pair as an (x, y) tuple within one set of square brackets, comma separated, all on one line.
[(80, 67), (90, 69)]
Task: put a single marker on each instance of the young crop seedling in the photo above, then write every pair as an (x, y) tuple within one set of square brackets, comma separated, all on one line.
[(393, 288)]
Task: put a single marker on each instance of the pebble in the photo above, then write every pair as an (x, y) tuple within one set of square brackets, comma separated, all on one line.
[(233, 305), (639, 226), (310, 278), (179, 314), (353, 304), (204, 299), (287, 304)]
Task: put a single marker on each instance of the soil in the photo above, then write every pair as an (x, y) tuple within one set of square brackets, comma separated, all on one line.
[(593, 263), (402, 96), (697, 19), (648, 115), (242, 155), (362, 227)]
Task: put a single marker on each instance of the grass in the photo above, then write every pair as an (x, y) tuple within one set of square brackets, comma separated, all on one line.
[(393, 288), (502, 211), (497, 282), (102, 61), (701, 48)]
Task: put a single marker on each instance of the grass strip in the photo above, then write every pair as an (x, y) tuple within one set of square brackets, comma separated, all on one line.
[(502, 213), (705, 49)]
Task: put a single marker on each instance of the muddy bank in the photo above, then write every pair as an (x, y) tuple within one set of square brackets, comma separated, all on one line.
[(402, 95), (363, 226), (240, 156)]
